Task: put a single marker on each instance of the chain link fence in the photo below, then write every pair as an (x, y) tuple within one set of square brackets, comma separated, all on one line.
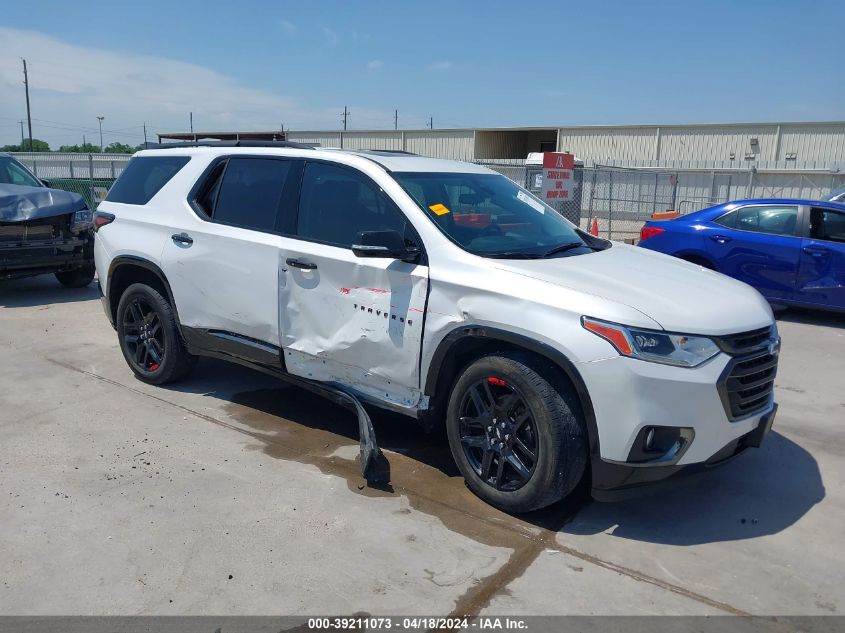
[(89, 175), (621, 199)]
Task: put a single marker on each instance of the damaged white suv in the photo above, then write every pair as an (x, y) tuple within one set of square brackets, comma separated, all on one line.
[(444, 291)]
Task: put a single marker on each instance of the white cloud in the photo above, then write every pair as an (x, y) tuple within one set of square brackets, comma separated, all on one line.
[(289, 28), (440, 66), (376, 64), (70, 85), (331, 36)]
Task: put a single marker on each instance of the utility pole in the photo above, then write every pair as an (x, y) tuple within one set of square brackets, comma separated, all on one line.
[(192, 123), (100, 121), (22, 141), (28, 115), (345, 116), (145, 134), (396, 119), (431, 123)]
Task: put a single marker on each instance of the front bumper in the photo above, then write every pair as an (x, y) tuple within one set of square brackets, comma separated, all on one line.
[(45, 256), (630, 397), (613, 481)]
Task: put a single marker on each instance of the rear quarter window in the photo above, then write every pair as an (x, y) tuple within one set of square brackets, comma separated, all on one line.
[(144, 177)]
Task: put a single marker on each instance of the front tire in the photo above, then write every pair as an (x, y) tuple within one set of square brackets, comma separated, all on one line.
[(78, 278), (149, 336), (516, 431)]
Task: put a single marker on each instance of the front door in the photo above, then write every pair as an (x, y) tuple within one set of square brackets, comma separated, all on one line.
[(821, 277), (355, 321)]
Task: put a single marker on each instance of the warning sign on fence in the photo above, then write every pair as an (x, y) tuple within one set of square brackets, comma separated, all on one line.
[(558, 183)]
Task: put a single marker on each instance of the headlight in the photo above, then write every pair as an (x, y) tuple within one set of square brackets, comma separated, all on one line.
[(82, 220), (680, 350)]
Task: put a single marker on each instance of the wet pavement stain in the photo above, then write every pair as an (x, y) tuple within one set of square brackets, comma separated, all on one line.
[(296, 425)]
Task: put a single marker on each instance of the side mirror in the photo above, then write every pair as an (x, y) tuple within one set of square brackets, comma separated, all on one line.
[(383, 244), (46, 183)]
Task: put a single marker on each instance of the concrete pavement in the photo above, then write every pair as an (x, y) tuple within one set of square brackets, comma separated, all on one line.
[(233, 494)]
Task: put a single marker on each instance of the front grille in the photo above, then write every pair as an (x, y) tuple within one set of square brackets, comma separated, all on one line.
[(747, 383), (745, 342), (33, 230)]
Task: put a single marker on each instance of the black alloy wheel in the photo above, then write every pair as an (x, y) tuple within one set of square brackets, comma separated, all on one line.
[(498, 434), (143, 335)]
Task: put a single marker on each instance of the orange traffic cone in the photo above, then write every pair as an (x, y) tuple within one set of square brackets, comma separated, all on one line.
[(594, 228)]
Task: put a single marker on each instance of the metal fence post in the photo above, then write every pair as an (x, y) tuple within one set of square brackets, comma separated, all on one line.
[(592, 193), (91, 178), (656, 185), (610, 209)]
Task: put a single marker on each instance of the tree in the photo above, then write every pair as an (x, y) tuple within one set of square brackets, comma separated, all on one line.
[(37, 146), (85, 148), (118, 148)]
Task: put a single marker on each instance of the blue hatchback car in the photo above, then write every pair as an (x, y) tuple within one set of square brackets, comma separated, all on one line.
[(792, 251)]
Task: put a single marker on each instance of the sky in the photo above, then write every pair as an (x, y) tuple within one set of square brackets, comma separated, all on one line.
[(261, 64)]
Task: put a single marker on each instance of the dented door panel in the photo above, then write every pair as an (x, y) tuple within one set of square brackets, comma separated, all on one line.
[(354, 321)]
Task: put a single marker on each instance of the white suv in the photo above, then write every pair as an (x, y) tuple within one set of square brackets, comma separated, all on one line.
[(444, 291)]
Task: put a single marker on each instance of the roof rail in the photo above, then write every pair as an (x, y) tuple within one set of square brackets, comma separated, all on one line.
[(290, 144)]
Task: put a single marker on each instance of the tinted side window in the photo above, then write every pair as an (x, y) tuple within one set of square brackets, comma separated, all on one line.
[(828, 225), (143, 177), (337, 203), (729, 219), (775, 220), (250, 192)]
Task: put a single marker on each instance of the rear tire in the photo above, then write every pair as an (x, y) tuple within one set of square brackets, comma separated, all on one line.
[(535, 429), (78, 278), (149, 336)]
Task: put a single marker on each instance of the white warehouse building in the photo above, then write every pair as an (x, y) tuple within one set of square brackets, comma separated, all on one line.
[(815, 146)]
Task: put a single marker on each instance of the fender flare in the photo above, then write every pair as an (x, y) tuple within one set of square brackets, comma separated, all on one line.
[(140, 262), (544, 350)]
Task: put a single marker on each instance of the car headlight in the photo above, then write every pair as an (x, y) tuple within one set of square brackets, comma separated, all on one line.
[(82, 220), (680, 350)]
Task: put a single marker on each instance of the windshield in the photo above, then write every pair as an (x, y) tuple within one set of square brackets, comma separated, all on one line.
[(13, 173), (489, 215), (836, 196)]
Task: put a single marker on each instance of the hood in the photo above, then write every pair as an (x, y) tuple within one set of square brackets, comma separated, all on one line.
[(19, 203), (680, 296)]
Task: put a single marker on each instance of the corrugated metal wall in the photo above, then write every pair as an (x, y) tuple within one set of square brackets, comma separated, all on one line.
[(788, 145), (455, 144), (717, 143), (323, 139), (599, 144), (813, 143)]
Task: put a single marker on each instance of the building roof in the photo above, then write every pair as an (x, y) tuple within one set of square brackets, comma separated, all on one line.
[(273, 135)]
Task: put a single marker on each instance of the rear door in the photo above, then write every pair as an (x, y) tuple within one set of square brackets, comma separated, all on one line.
[(356, 321), (222, 261), (759, 244), (821, 277)]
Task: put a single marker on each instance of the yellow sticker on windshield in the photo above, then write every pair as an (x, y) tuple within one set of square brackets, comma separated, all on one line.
[(438, 209)]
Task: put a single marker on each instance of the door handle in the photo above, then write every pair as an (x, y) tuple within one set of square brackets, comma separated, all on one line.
[(722, 239), (815, 251), (298, 263), (182, 238)]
